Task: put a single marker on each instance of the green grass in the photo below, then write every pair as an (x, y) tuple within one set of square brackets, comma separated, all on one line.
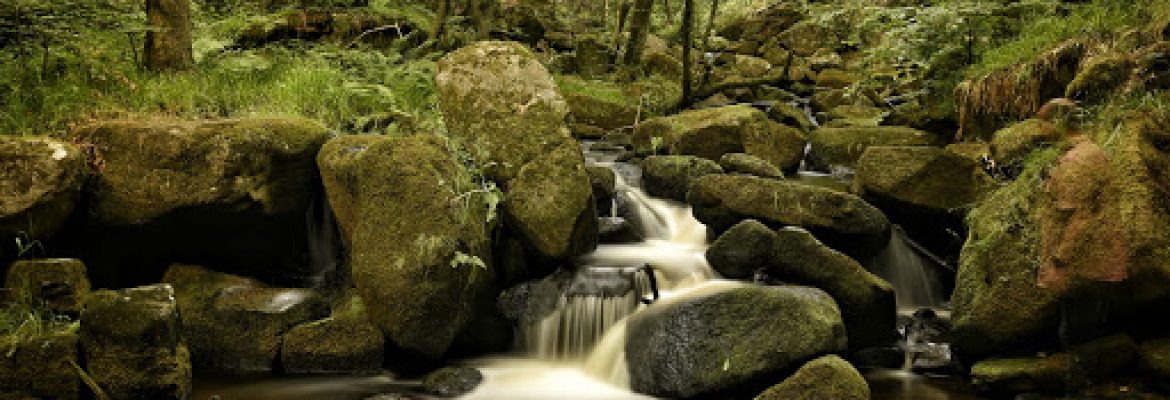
[(20, 323)]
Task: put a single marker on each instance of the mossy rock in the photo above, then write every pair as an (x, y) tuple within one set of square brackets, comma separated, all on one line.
[(739, 163), (1057, 373), (338, 161), (599, 112), (603, 182), (855, 115), (496, 96), (828, 99), (1155, 358), (133, 343), (914, 179), (1099, 77), (1010, 146), (841, 220), (417, 242), (711, 133), (452, 381), (234, 325), (1141, 164), (41, 366), (828, 377), (866, 301), (807, 37), (976, 152), (714, 342), (671, 176), (835, 79), (40, 183), (747, 247), (791, 115), (60, 285), (345, 343), (841, 147)]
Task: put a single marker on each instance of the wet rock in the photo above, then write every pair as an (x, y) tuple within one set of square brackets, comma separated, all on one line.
[(791, 115), (40, 182), (828, 377), (742, 250), (841, 220), (749, 165), (345, 343), (497, 95), (230, 192), (60, 285), (671, 176), (133, 345), (452, 381), (41, 365), (866, 301), (710, 133), (416, 176), (603, 181), (234, 325), (727, 339), (618, 230), (1057, 373), (841, 147)]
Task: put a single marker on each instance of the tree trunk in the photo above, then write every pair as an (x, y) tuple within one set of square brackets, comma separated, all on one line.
[(168, 42), (622, 14), (688, 25), (710, 26), (669, 12), (441, 21), (639, 29)]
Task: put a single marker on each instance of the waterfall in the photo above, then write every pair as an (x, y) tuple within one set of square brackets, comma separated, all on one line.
[(916, 282)]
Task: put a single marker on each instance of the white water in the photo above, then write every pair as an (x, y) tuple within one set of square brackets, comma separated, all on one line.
[(578, 351), (916, 283)]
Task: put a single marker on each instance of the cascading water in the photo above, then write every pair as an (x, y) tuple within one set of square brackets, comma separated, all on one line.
[(916, 282)]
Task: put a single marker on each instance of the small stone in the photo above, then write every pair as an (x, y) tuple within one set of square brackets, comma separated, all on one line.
[(452, 381)]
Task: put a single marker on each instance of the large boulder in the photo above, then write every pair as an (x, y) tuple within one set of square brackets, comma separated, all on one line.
[(1155, 359), (420, 248), (730, 339), (1141, 164), (498, 98), (345, 343), (671, 176), (133, 345), (828, 377), (747, 247), (59, 285), (841, 147), (1073, 370), (1010, 146), (867, 301), (739, 163), (234, 325), (710, 133), (231, 193), (605, 112), (40, 182), (41, 365), (338, 161), (841, 220)]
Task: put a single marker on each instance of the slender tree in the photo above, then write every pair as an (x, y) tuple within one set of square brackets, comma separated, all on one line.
[(623, 12), (708, 30), (688, 25), (441, 21), (639, 29)]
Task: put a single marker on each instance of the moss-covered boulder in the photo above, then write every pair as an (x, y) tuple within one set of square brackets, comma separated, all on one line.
[(730, 339), (1059, 373), (808, 36), (345, 343), (828, 377), (1010, 146), (43, 365), (59, 285), (338, 161), (496, 96), (452, 381), (234, 193), (836, 78), (40, 182), (1155, 358), (855, 116), (867, 301), (603, 182), (791, 115), (234, 325), (1141, 165), (747, 247), (841, 147), (601, 109), (1099, 77), (710, 133), (420, 249), (671, 176), (841, 220), (133, 343), (739, 163)]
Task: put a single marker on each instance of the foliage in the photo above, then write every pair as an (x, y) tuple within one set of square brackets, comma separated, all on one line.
[(23, 322)]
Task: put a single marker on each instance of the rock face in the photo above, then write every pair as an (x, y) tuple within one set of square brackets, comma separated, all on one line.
[(710, 133), (438, 255), (168, 43), (345, 343), (828, 377), (234, 325), (60, 285), (841, 220), (742, 250), (133, 345), (232, 193), (40, 181), (671, 176), (866, 301), (720, 341), (841, 147), (1057, 373), (41, 366), (496, 96)]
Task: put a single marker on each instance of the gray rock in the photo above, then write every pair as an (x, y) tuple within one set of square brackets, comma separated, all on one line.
[(452, 381), (671, 176), (828, 377), (742, 250)]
